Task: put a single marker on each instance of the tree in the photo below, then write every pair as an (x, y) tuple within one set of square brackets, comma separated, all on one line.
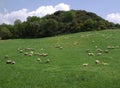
[(5, 33), (89, 24), (69, 16)]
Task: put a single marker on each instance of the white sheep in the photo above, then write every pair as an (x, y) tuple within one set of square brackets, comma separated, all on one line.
[(13, 62), (106, 51), (47, 61), (97, 61), (91, 54), (98, 54), (6, 56), (39, 60), (100, 50), (85, 64), (8, 61), (105, 63)]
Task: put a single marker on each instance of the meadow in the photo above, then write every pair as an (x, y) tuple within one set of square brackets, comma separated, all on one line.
[(66, 54)]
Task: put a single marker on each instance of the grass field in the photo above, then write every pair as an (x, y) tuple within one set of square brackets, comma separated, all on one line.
[(65, 69)]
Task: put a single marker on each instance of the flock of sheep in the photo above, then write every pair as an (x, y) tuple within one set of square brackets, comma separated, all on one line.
[(99, 52), (31, 52), (28, 52)]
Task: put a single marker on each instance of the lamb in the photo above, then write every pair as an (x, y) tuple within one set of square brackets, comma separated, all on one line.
[(100, 50), (8, 61), (85, 65), (110, 47), (98, 54), (21, 51), (26, 53), (39, 60), (97, 61), (105, 63), (47, 61), (6, 56), (13, 62), (106, 51), (91, 54), (88, 50)]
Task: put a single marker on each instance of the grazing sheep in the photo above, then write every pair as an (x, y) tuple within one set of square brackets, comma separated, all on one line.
[(97, 61), (26, 53), (6, 56), (106, 51), (21, 51), (88, 50), (76, 43), (93, 41), (85, 65), (60, 47), (8, 61), (98, 54), (30, 54), (105, 63), (96, 46), (117, 46), (100, 50), (91, 54), (45, 54), (29, 49), (13, 62), (47, 61), (110, 47), (39, 60)]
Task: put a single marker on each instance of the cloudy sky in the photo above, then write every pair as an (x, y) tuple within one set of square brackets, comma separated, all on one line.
[(10, 10)]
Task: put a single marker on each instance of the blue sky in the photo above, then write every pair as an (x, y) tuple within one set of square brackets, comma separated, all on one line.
[(13, 9)]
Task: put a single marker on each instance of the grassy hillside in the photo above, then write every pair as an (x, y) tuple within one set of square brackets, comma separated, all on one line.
[(67, 54)]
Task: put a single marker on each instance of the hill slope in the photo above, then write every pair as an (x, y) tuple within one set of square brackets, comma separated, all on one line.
[(67, 54)]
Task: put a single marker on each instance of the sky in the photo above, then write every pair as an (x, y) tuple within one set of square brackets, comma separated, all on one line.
[(10, 10)]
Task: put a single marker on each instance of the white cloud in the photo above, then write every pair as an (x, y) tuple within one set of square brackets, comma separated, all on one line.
[(113, 17), (62, 6), (22, 14)]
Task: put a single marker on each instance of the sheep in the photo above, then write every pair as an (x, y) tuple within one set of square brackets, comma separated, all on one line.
[(8, 61), (96, 46), (85, 65), (76, 43), (39, 60), (93, 41), (21, 51), (97, 61), (105, 63), (30, 54), (26, 53), (117, 46), (98, 54), (13, 62), (91, 54), (110, 47), (47, 61), (106, 51), (6, 56), (29, 49), (88, 50), (100, 50), (60, 47)]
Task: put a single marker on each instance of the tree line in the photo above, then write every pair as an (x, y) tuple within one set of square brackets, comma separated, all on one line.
[(61, 22)]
